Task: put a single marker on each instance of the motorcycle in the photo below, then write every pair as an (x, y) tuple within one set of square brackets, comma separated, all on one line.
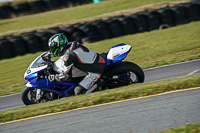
[(117, 73)]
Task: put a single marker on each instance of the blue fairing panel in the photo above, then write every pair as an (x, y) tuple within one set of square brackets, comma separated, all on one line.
[(117, 59), (31, 76), (120, 57), (33, 81)]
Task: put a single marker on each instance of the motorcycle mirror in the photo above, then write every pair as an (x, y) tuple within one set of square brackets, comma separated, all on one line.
[(46, 58)]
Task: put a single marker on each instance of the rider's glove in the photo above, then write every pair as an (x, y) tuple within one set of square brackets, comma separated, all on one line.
[(61, 77), (58, 77)]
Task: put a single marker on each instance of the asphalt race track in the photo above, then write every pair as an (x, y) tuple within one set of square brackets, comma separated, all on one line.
[(142, 115), (155, 113)]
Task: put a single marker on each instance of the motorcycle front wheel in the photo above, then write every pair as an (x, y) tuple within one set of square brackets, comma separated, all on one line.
[(29, 94)]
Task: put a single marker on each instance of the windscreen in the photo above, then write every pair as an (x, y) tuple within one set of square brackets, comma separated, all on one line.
[(38, 62)]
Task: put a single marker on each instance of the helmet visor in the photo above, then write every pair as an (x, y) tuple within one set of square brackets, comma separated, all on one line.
[(54, 50)]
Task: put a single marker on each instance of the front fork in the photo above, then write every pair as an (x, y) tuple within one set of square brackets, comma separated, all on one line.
[(38, 94)]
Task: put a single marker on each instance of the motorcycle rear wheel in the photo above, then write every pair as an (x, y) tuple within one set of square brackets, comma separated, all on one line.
[(125, 73)]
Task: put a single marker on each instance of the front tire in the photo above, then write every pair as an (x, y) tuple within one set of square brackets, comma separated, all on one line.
[(28, 96)]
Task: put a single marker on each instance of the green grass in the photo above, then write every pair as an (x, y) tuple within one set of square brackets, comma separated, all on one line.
[(190, 128), (150, 49), (72, 14), (73, 102)]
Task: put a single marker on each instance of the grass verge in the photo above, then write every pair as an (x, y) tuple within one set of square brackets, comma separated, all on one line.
[(190, 128), (89, 12), (131, 91), (150, 49)]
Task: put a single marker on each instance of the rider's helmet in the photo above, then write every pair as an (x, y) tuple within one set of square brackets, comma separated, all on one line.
[(57, 43)]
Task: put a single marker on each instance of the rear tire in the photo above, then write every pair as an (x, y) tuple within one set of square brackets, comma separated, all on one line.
[(125, 73)]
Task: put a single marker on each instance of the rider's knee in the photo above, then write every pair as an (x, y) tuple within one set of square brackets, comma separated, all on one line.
[(79, 90)]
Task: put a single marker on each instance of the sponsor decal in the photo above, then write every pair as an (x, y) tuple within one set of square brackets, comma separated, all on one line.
[(101, 60)]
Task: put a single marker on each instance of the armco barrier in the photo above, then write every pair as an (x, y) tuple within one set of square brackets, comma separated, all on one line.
[(8, 11), (102, 29)]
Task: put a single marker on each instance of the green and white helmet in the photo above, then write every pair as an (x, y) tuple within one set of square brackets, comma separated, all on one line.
[(56, 43)]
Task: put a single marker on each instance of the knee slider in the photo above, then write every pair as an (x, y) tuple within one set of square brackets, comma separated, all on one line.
[(79, 90)]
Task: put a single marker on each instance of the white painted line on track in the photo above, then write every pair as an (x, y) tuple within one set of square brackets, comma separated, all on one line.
[(172, 64), (193, 72), (12, 108), (10, 95)]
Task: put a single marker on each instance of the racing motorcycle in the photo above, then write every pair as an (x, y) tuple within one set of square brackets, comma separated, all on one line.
[(40, 89)]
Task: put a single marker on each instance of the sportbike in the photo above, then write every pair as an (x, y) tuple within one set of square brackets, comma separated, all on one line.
[(117, 73)]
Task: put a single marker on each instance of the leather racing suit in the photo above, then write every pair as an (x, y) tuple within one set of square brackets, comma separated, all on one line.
[(85, 60)]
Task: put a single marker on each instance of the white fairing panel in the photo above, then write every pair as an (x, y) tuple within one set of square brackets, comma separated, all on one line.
[(33, 70), (116, 51), (60, 67), (28, 85)]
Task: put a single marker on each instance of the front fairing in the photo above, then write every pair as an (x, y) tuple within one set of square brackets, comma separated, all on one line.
[(36, 78), (35, 67)]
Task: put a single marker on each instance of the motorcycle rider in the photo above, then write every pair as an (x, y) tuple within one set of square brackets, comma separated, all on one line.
[(79, 56)]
